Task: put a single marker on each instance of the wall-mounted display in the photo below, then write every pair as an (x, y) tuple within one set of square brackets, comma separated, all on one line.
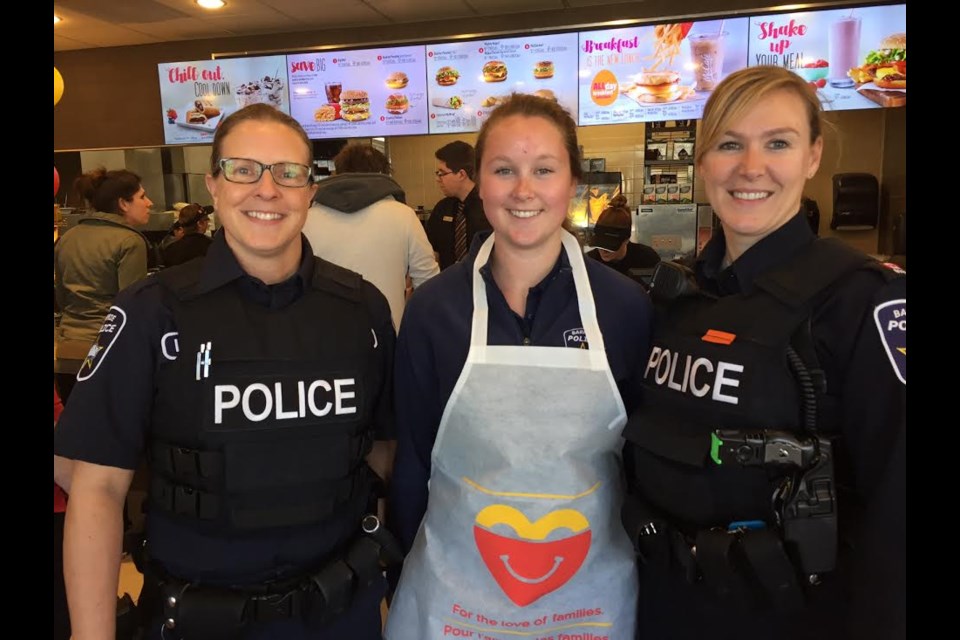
[(854, 58), (656, 72), (367, 92), (467, 80), (195, 96)]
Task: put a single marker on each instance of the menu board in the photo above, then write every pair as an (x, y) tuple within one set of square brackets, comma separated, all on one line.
[(855, 58), (656, 72), (361, 93), (196, 96), (467, 80)]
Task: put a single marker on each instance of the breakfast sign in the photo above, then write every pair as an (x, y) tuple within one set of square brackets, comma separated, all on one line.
[(196, 96), (854, 58), (467, 80), (656, 72), (366, 92)]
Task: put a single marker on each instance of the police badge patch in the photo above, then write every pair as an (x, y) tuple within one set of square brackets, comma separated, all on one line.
[(891, 319), (109, 330), (575, 338)]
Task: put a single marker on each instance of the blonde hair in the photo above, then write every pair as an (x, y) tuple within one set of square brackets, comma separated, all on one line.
[(741, 90)]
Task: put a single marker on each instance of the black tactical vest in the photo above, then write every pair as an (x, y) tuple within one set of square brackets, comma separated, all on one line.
[(721, 363), (263, 420)]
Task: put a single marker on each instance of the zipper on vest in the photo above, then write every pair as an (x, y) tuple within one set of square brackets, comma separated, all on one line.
[(526, 341)]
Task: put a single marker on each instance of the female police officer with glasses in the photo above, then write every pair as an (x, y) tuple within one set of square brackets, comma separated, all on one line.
[(258, 383)]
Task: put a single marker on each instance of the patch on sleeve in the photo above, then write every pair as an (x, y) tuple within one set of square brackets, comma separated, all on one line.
[(575, 338), (891, 318), (109, 330), (894, 267)]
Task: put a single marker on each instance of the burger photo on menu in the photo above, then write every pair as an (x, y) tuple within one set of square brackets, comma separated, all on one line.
[(397, 103), (397, 80), (658, 86), (885, 67), (451, 102), (543, 69), (494, 71), (447, 76), (354, 105)]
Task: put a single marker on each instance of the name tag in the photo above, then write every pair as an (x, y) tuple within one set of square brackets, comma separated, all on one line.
[(448, 218)]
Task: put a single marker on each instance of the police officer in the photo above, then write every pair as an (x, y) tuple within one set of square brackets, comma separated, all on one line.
[(258, 383), (766, 467)]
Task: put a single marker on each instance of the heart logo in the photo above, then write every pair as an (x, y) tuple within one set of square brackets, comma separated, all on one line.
[(526, 567)]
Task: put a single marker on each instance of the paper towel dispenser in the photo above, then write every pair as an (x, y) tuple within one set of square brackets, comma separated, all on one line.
[(856, 202)]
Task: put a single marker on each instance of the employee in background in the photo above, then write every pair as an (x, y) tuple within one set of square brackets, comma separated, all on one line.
[(611, 239), (359, 221), (515, 369), (766, 467), (192, 223), (459, 216), (93, 261), (258, 381)]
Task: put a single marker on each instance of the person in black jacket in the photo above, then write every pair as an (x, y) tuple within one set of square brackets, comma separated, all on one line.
[(192, 223), (257, 380), (611, 239), (456, 219), (766, 466)]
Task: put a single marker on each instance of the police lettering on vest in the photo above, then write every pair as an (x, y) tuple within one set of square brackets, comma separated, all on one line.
[(698, 376), (286, 401)]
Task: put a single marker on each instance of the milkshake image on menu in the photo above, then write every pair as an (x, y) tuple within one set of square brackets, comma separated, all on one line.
[(844, 44), (706, 52)]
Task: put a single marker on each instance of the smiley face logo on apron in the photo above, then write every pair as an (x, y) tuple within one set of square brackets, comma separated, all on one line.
[(527, 566)]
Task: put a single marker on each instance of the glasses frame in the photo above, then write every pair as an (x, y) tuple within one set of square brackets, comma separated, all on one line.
[(264, 168), (440, 174)]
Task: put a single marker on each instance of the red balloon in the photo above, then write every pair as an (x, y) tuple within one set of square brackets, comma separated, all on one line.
[(56, 182)]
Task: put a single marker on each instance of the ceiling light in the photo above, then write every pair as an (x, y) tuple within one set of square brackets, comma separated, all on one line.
[(56, 18), (211, 4)]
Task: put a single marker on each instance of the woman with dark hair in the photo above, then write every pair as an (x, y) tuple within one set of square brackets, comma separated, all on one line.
[(94, 260), (766, 467), (515, 369)]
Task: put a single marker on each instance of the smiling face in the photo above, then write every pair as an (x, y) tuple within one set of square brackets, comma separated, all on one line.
[(755, 173), (136, 211), (262, 220), (526, 182)]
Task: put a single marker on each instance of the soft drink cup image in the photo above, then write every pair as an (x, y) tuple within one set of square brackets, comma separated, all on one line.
[(844, 44), (333, 90), (706, 52)]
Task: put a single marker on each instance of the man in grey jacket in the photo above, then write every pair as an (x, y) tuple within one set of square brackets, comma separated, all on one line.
[(359, 221)]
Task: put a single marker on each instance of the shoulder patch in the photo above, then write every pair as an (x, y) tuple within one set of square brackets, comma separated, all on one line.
[(894, 267), (112, 325), (891, 319)]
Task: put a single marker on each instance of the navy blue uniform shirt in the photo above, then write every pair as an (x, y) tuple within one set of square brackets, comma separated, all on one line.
[(108, 418), (435, 337), (858, 341)]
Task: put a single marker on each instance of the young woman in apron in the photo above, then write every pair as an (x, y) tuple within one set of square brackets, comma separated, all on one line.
[(521, 537)]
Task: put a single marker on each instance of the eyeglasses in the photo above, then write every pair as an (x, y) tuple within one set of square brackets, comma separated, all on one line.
[(440, 174), (246, 171)]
